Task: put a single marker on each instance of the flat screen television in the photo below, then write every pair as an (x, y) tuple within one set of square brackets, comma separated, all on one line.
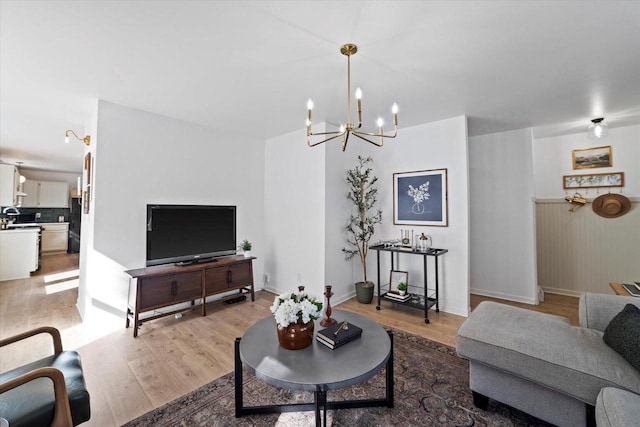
[(189, 233)]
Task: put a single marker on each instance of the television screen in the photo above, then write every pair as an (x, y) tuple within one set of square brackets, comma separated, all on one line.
[(189, 233)]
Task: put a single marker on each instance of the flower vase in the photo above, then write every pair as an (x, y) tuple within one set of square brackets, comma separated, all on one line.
[(296, 336)]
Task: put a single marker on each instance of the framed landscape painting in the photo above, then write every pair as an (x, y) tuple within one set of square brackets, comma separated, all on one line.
[(595, 157), (420, 198)]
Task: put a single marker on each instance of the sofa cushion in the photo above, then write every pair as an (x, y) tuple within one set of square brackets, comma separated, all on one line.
[(623, 334), (617, 408), (544, 349), (32, 404)]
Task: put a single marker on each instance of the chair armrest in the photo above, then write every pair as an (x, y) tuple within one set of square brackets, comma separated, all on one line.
[(597, 310), (55, 335), (62, 415)]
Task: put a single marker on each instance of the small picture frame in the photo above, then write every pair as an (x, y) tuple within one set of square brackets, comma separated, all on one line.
[(397, 277), (594, 157)]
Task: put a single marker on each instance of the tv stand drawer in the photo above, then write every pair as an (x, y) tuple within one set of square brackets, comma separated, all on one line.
[(229, 277), (171, 289)]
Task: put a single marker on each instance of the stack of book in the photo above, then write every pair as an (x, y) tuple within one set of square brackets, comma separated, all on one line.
[(395, 296), (633, 289), (339, 334)]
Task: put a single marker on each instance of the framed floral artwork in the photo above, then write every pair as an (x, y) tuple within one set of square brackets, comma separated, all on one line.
[(420, 198)]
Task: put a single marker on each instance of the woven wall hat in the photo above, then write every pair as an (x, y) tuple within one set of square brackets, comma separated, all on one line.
[(611, 205)]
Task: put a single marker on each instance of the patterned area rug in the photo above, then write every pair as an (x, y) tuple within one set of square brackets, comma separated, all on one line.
[(431, 389)]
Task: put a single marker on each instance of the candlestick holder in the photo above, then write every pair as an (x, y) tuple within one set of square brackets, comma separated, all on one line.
[(328, 321)]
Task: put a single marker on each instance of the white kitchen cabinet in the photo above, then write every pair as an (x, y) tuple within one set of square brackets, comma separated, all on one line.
[(55, 236), (18, 253), (46, 194), (31, 199), (9, 182)]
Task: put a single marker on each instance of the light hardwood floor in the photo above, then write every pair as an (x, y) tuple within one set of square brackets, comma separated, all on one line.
[(127, 377)]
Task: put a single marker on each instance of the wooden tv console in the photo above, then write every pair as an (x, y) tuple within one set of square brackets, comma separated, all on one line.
[(166, 285)]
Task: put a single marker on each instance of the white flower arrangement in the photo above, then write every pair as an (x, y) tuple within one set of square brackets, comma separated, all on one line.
[(419, 194), (290, 307)]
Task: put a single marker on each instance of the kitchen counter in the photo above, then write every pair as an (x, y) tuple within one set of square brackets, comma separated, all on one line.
[(18, 252)]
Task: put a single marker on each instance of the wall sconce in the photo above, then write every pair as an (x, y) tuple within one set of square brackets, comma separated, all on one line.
[(598, 128), (86, 139)]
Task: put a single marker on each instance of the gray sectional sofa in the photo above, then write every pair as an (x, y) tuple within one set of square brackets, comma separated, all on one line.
[(541, 364)]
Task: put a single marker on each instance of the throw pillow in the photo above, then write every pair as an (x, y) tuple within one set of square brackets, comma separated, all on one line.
[(623, 334)]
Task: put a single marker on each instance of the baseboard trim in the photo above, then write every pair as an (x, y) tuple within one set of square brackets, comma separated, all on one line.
[(565, 292), (108, 308), (501, 295)]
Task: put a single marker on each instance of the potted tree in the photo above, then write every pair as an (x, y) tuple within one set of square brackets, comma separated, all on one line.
[(360, 228)]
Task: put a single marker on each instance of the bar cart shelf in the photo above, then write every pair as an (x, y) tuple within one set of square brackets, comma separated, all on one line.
[(429, 298)]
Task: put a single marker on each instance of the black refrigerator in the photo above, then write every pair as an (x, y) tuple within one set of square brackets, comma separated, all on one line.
[(75, 216)]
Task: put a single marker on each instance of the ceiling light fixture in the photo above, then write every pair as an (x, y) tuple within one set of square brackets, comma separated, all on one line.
[(349, 128), (86, 139), (598, 128)]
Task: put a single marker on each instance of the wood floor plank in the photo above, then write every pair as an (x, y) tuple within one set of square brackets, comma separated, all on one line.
[(128, 376)]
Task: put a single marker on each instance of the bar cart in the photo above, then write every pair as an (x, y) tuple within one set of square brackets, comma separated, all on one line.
[(430, 296)]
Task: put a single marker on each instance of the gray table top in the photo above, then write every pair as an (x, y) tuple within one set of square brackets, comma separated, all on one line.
[(317, 364)]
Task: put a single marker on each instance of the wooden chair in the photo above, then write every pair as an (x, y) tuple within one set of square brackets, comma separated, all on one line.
[(26, 399)]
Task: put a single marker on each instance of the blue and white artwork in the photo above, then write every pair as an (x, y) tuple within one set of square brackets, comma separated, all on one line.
[(420, 198)]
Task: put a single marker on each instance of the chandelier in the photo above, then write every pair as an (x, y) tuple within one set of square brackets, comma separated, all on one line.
[(349, 128)]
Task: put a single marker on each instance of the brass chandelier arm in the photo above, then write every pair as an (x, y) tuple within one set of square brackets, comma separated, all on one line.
[(337, 135), (377, 144), (381, 135)]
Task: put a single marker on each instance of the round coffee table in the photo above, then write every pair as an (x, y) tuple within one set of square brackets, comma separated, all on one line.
[(315, 368)]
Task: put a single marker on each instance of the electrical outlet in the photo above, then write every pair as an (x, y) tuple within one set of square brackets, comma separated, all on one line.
[(38, 215), (266, 277)]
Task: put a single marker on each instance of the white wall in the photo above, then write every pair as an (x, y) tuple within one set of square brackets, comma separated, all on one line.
[(321, 211), (437, 145), (580, 251), (294, 218), (552, 159), (143, 158), (86, 227), (503, 262)]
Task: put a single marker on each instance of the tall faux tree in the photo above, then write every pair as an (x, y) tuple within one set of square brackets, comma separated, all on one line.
[(363, 193)]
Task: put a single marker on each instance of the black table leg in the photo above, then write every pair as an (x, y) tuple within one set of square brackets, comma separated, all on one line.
[(321, 404), (238, 378), (389, 369)]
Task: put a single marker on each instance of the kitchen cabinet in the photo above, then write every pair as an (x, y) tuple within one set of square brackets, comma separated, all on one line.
[(9, 185), (55, 236), (46, 194), (18, 253)]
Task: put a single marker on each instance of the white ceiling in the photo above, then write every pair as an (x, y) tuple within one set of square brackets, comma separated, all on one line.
[(251, 65)]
